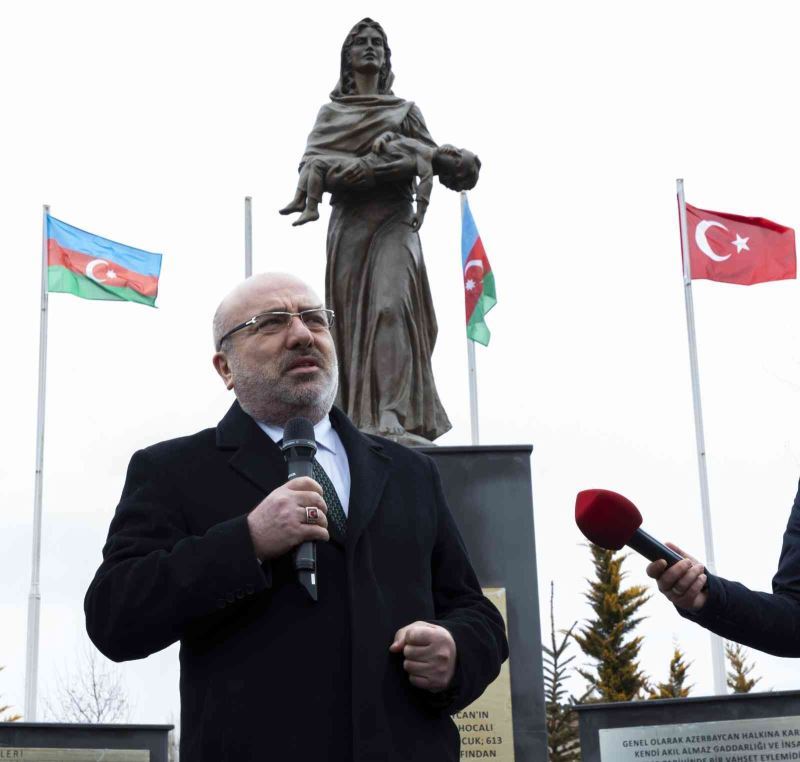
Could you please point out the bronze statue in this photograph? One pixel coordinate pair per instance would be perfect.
(367, 148)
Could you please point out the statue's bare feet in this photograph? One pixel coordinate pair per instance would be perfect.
(297, 204)
(309, 215)
(389, 426)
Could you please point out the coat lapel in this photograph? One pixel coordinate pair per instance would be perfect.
(256, 457)
(259, 460)
(369, 471)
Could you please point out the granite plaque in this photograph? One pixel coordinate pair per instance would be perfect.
(485, 725)
(744, 740)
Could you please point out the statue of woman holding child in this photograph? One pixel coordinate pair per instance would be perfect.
(371, 149)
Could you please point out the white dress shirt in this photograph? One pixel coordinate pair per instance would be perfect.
(331, 455)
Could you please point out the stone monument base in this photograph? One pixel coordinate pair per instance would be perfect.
(68, 742)
(488, 489)
(756, 727)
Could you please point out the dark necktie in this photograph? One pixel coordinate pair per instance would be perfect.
(336, 515)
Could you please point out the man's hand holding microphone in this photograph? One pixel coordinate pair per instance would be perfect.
(280, 521)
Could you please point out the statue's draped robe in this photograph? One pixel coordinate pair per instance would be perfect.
(385, 327)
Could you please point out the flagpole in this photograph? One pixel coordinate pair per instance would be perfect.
(471, 364)
(717, 647)
(473, 391)
(34, 597)
(248, 236)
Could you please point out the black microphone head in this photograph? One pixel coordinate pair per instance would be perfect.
(299, 433)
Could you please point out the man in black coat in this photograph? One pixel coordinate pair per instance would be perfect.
(199, 550)
(769, 622)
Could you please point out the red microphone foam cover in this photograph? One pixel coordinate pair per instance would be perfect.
(606, 518)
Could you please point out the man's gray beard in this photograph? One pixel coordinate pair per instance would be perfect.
(277, 400)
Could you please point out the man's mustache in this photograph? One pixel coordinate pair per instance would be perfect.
(304, 354)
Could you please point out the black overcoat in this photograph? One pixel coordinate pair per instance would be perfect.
(266, 673)
(767, 621)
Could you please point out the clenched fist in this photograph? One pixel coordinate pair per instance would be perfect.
(429, 653)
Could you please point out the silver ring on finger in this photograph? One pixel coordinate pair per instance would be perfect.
(311, 515)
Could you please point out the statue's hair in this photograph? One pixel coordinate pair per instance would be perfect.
(347, 80)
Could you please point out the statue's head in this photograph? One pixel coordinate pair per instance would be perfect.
(364, 34)
(458, 168)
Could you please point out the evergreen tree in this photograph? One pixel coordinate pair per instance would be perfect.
(618, 677)
(738, 680)
(562, 723)
(675, 687)
(5, 715)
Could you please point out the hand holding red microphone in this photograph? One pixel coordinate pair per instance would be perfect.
(683, 583)
(611, 521)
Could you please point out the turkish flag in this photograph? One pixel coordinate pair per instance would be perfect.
(735, 249)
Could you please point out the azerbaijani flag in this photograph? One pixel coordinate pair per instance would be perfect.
(92, 267)
(479, 293)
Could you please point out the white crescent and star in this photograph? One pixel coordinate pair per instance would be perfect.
(473, 263)
(95, 263)
(704, 246)
(469, 284)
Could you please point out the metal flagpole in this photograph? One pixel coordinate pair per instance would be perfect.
(471, 364)
(717, 647)
(248, 236)
(34, 597)
(473, 390)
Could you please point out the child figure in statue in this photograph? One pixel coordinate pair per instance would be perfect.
(393, 157)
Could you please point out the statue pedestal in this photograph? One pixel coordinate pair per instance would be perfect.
(743, 726)
(61, 741)
(488, 489)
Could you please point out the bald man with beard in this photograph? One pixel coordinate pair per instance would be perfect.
(200, 551)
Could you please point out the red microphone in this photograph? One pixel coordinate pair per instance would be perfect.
(610, 520)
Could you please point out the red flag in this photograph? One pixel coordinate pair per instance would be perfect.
(735, 249)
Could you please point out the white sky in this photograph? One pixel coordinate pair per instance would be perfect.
(149, 122)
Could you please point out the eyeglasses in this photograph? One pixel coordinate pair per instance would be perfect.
(268, 323)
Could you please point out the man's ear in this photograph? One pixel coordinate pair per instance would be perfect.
(220, 362)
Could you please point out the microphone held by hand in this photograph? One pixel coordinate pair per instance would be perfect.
(299, 447)
(611, 521)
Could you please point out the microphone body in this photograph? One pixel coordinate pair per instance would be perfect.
(610, 520)
(301, 466)
(299, 447)
(652, 549)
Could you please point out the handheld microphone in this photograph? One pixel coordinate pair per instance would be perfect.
(299, 447)
(610, 520)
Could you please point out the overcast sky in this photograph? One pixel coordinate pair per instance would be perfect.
(149, 122)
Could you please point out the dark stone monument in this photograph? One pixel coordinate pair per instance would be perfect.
(489, 491)
(707, 727)
(46, 741)
(367, 148)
